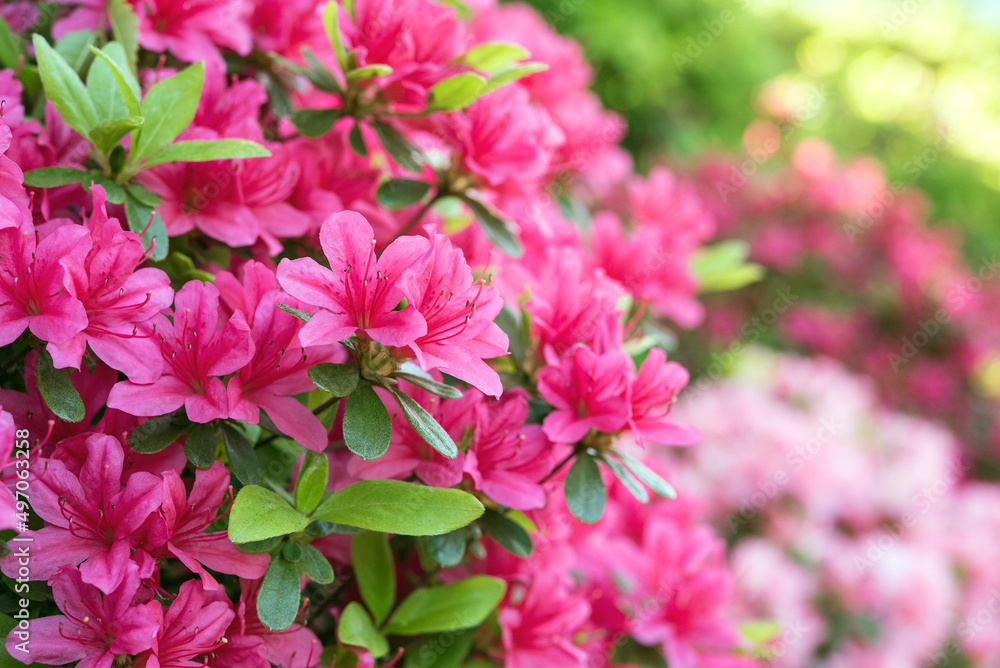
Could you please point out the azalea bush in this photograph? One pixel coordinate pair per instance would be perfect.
(334, 334)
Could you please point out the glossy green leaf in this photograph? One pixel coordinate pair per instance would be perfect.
(401, 193)
(446, 549)
(298, 313)
(456, 92)
(103, 87)
(399, 147)
(425, 425)
(168, 108)
(375, 572)
(292, 551)
(626, 477)
(430, 385)
(243, 459)
(311, 482)
(52, 177)
(585, 492)
(157, 433)
(368, 72)
(315, 122)
(74, 47)
(513, 74)
(57, 390)
(367, 426)
(105, 135)
(259, 513)
(509, 534)
(649, 477)
(337, 379)
(492, 56)
(200, 445)
(315, 565)
(357, 141)
(204, 150)
(278, 598)
(128, 87)
(393, 506)
(442, 650)
(356, 628)
(459, 605)
(64, 88)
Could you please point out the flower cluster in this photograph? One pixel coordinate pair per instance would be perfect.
(281, 279)
(864, 511)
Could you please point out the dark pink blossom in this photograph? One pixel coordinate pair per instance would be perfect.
(195, 29)
(194, 624)
(651, 394)
(195, 351)
(359, 292)
(8, 505)
(94, 629)
(90, 518)
(118, 297)
(460, 313)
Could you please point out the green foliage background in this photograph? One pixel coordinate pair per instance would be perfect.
(915, 83)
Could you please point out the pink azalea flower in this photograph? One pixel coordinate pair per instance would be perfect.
(651, 393)
(195, 29)
(193, 625)
(278, 369)
(94, 629)
(118, 298)
(185, 516)
(32, 294)
(508, 458)
(359, 291)
(20, 15)
(91, 517)
(8, 505)
(460, 314)
(195, 351)
(588, 391)
(408, 452)
(89, 15)
(11, 178)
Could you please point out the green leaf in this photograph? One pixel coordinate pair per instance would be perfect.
(337, 379)
(315, 565)
(357, 141)
(393, 506)
(260, 546)
(128, 87)
(430, 385)
(200, 445)
(425, 425)
(513, 74)
(278, 598)
(74, 48)
(156, 434)
(723, 266)
(628, 651)
(103, 87)
(459, 605)
(57, 390)
(11, 46)
(625, 476)
(401, 193)
(493, 56)
(259, 513)
(203, 150)
(52, 177)
(585, 492)
(331, 23)
(292, 551)
(368, 72)
(443, 650)
(367, 426)
(375, 571)
(497, 230)
(114, 192)
(399, 147)
(509, 534)
(64, 88)
(143, 194)
(356, 628)
(138, 215)
(168, 107)
(760, 631)
(298, 313)
(319, 74)
(446, 549)
(243, 459)
(315, 122)
(125, 28)
(108, 133)
(649, 477)
(311, 483)
(456, 92)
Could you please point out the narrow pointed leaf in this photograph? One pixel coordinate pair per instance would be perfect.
(425, 425)
(57, 390)
(52, 177)
(168, 108)
(64, 88)
(375, 572)
(311, 483)
(585, 491)
(430, 385)
(497, 230)
(399, 147)
(649, 477)
(128, 87)
(204, 150)
(109, 133)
